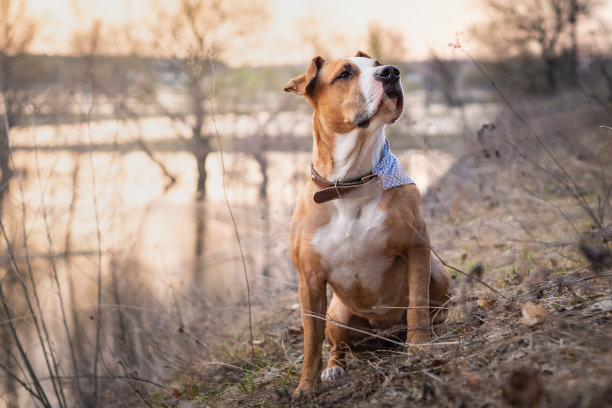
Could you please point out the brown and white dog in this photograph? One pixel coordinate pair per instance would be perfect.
(370, 245)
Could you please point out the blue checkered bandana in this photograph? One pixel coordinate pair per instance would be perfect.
(390, 170)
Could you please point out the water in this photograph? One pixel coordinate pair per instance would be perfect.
(165, 229)
(168, 264)
(138, 217)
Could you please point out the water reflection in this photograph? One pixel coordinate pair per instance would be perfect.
(170, 265)
(179, 241)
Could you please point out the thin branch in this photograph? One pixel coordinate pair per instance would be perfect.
(23, 384)
(45, 217)
(572, 184)
(39, 390)
(45, 343)
(229, 208)
(99, 249)
(468, 275)
(398, 343)
(555, 207)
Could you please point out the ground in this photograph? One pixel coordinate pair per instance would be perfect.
(528, 223)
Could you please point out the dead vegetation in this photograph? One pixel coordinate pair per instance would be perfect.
(508, 214)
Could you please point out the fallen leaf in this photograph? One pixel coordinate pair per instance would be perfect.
(295, 331)
(532, 313)
(485, 300)
(471, 378)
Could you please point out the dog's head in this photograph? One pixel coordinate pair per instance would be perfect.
(356, 92)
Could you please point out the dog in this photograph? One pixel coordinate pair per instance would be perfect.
(357, 225)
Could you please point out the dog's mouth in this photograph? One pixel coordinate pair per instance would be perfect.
(393, 100)
(390, 107)
(398, 98)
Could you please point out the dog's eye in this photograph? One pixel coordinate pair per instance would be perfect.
(344, 75)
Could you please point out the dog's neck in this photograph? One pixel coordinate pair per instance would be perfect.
(338, 157)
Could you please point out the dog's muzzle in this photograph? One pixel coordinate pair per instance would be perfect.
(389, 76)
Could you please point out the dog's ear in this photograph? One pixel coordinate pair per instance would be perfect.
(362, 54)
(305, 82)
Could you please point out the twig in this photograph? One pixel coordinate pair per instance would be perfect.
(40, 393)
(426, 241)
(572, 184)
(469, 275)
(127, 114)
(590, 278)
(229, 207)
(555, 207)
(120, 377)
(57, 388)
(99, 247)
(399, 343)
(605, 127)
(23, 384)
(435, 377)
(45, 217)
(286, 354)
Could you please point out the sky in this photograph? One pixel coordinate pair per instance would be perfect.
(340, 24)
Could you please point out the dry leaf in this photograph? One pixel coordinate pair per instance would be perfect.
(532, 313)
(482, 302)
(485, 299)
(471, 378)
(295, 331)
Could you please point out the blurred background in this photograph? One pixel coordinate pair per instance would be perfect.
(119, 262)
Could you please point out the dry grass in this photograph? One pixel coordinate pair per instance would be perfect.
(507, 211)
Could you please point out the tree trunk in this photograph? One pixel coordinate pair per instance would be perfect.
(8, 361)
(575, 10)
(607, 78)
(200, 156)
(573, 57)
(5, 169)
(550, 73)
(200, 143)
(200, 243)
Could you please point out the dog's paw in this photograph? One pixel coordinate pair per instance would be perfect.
(417, 349)
(418, 337)
(302, 393)
(419, 341)
(331, 373)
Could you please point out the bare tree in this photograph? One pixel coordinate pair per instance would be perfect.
(547, 28)
(386, 43)
(322, 39)
(193, 35)
(16, 34)
(578, 9)
(442, 74)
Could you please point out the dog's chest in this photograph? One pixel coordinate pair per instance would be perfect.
(352, 244)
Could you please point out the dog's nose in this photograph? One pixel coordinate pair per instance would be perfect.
(387, 74)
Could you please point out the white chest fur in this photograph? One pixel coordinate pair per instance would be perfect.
(352, 244)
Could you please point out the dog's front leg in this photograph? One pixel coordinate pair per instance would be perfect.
(419, 274)
(313, 301)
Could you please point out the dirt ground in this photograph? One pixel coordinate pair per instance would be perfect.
(536, 231)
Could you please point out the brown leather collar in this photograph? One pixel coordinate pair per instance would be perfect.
(334, 190)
